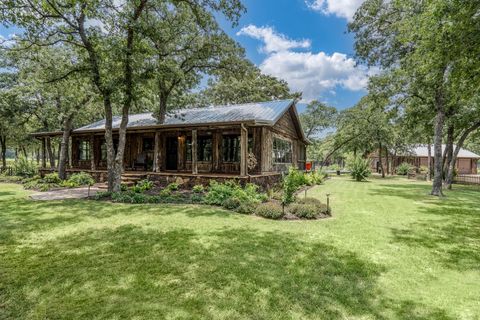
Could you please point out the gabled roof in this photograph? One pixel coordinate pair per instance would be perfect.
(422, 151)
(262, 113)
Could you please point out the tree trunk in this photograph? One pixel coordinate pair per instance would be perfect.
(380, 159)
(24, 151)
(460, 142)
(429, 148)
(162, 106)
(3, 144)
(51, 156)
(437, 148)
(387, 159)
(62, 161)
(448, 154)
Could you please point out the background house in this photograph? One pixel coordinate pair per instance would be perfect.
(417, 156)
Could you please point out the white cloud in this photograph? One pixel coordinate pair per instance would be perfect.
(308, 72)
(274, 42)
(340, 8)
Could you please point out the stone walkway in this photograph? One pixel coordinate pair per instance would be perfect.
(63, 194)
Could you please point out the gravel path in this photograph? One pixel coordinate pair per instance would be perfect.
(75, 193)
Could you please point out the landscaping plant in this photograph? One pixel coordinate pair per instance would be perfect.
(359, 168)
(403, 169)
(269, 210)
(24, 168)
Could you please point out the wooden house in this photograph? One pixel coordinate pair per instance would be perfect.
(417, 156)
(253, 141)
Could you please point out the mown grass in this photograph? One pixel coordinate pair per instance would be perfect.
(390, 252)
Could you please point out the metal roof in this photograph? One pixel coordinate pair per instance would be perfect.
(266, 113)
(422, 151)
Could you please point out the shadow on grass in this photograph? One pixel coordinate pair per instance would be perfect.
(132, 272)
(453, 231)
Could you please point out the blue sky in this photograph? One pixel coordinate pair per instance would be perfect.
(315, 55)
(304, 42)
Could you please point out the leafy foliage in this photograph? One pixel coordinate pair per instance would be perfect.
(24, 168)
(359, 168)
(199, 188)
(232, 196)
(404, 168)
(142, 186)
(80, 179)
(291, 182)
(308, 208)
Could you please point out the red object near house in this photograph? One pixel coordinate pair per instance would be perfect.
(308, 165)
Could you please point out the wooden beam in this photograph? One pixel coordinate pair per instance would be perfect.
(157, 153)
(44, 152)
(93, 165)
(216, 140)
(243, 151)
(194, 152)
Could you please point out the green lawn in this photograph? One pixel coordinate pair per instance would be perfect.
(390, 252)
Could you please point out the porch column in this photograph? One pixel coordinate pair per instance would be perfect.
(70, 152)
(44, 152)
(194, 152)
(93, 165)
(157, 153)
(243, 150)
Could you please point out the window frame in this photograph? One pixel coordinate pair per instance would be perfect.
(84, 148)
(204, 144)
(284, 146)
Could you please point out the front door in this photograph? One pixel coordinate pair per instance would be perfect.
(172, 153)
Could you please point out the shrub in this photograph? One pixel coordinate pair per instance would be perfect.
(308, 208)
(360, 168)
(232, 196)
(270, 210)
(165, 193)
(198, 188)
(314, 178)
(24, 168)
(306, 211)
(403, 169)
(291, 182)
(80, 179)
(142, 186)
(102, 195)
(196, 198)
(173, 186)
(423, 169)
(52, 178)
(231, 203)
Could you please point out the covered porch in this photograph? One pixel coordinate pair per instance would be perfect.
(231, 151)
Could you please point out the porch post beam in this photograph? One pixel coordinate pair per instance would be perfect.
(156, 153)
(44, 152)
(243, 150)
(194, 152)
(92, 153)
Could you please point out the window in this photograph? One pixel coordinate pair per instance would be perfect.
(84, 150)
(103, 151)
(282, 151)
(231, 148)
(204, 148)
